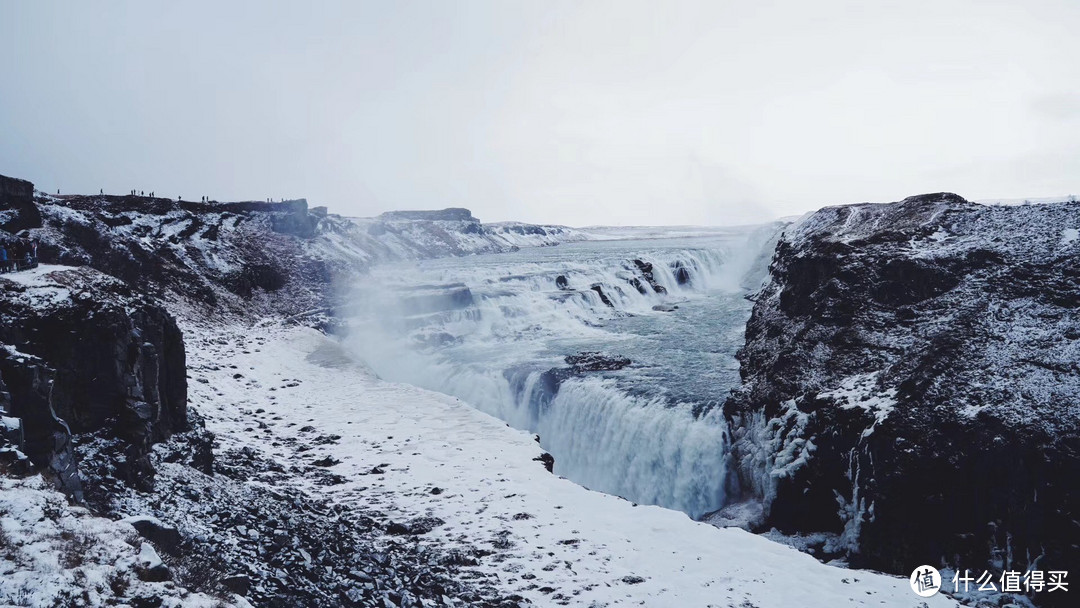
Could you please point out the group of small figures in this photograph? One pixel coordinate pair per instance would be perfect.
(20, 254)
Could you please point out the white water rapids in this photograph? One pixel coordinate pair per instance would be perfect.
(486, 328)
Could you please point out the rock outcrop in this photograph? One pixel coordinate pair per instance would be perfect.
(911, 385)
(17, 209)
(84, 353)
(238, 258)
(580, 364)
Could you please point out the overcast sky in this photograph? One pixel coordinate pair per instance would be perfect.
(569, 112)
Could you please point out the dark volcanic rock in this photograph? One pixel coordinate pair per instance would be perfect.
(165, 537)
(547, 460)
(237, 583)
(596, 362)
(547, 386)
(646, 269)
(681, 272)
(43, 437)
(17, 209)
(282, 546)
(221, 256)
(86, 353)
(599, 289)
(911, 384)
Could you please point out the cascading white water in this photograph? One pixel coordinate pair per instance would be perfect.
(487, 328)
(637, 447)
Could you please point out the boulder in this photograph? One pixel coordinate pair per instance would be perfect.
(149, 567)
(646, 269)
(547, 460)
(592, 361)
(237, 583)
(164, 536)
(681, 272)
(599, 289)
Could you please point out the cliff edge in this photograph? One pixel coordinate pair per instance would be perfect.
(911, 385)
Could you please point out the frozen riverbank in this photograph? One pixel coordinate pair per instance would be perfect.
(416, 454)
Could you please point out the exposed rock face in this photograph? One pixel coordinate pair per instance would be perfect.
(911, 384)
(17, 209)
(599, 289)
(228, 257)
(252, 258)
(681, 272)
(646, 269)
(44, 439)
(596, 362)
(87, 353)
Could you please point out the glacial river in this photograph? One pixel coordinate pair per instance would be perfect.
(486, 328)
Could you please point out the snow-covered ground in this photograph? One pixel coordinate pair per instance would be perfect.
(412, 453)
(1027, 201)
(52, 554)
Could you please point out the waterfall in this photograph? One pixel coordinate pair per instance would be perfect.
(493, 330)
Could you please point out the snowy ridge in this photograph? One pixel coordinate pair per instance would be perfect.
(256, 257)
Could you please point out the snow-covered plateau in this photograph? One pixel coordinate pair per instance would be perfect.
(265, 404)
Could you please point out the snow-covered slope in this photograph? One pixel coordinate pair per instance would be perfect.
(255, 258)
(52, 554)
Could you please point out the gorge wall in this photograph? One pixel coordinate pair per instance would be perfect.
(911, 382)
(90, 342)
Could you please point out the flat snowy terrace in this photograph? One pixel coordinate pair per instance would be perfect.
(411, 453)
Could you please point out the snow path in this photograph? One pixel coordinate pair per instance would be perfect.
(412, 453)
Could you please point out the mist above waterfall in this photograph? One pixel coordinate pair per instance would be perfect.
(495, 331)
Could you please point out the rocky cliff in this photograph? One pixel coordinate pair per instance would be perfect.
(82, 352)
(226, 258)
(911, 385)
(251, 258)
(17, 209)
